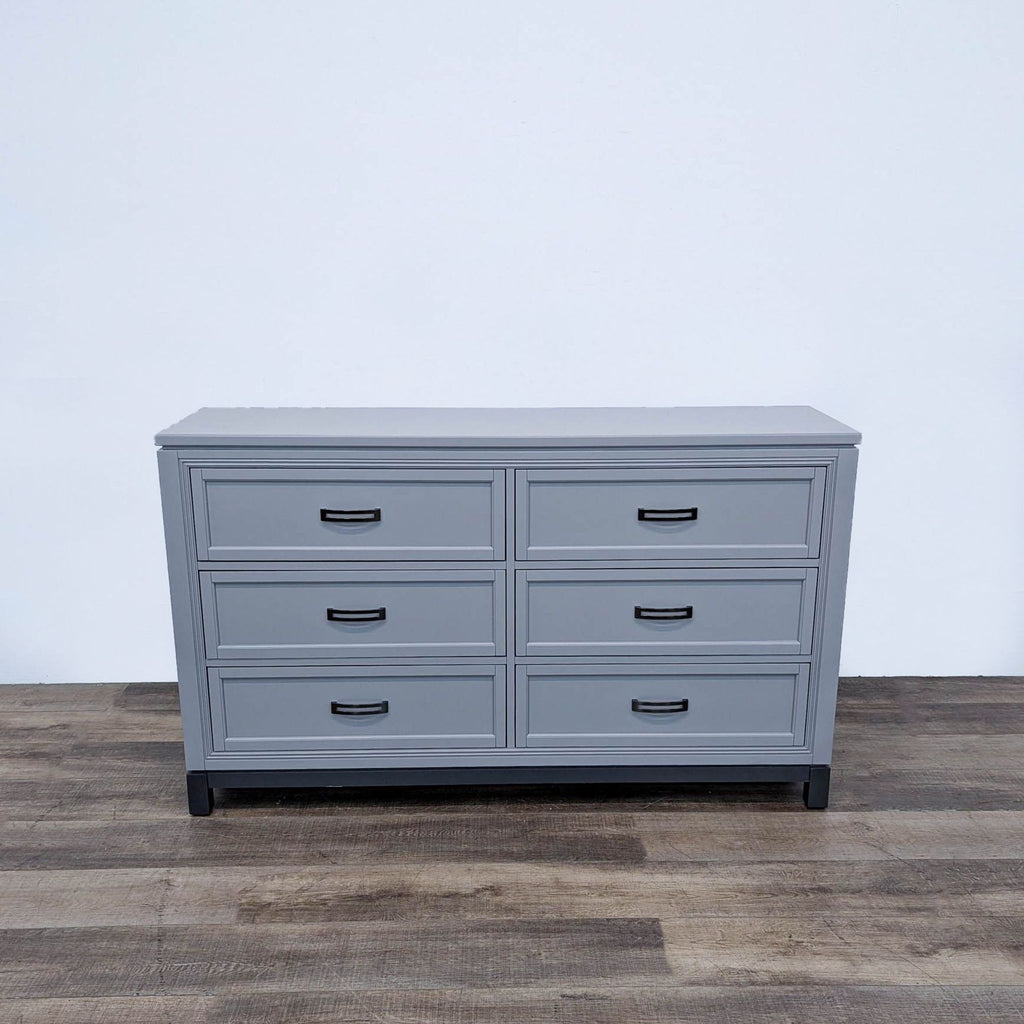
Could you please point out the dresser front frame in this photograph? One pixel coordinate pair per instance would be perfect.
(510, 763)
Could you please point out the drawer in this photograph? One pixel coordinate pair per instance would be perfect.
(669, 513)
(373, 708)
(358, 614)
(630, 706)
(339, 514)
(664, 611)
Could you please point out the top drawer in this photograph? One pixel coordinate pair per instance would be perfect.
(341, 514)
(669, 513)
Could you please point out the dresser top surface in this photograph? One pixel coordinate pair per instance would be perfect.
(680, 426)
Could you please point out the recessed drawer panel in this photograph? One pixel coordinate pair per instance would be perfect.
(664, 611)
(669, 513)
(661, 706)
(339, 514)
(285, 614)
(373, 708)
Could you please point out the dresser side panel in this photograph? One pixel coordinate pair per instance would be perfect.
(177, 514)
(831, 604)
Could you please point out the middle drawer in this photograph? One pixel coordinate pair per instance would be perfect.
(607, 612)
(354, 614)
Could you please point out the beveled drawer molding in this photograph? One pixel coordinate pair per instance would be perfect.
(596, 612)
(669, 513)
(661, 705)
(285, 614)
(371, 708)
(310, 514)
(433, 596)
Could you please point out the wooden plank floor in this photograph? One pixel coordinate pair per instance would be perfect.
(611, 905)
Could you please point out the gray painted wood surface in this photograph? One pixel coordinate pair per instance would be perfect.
(282, 709)
(506, 538)
(401, 427)
(593, 706)
(592, 612)
(284, 615)
(275, 514)
(737, 513)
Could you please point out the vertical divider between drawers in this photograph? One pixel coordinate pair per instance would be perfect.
(510, 606)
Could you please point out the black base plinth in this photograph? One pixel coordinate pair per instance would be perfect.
(201, 784)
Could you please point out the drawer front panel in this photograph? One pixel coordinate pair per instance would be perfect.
(661, 706)
(602, 612)
(342, 514)
(373, 708)
(669, 513)
(285, 614)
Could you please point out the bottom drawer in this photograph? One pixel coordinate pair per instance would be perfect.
(357, 708)
(661, 705)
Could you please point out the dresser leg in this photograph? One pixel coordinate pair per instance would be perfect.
(816, 787)
(200, 796)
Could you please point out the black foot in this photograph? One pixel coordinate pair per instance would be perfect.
(816, 787)
(200, 796)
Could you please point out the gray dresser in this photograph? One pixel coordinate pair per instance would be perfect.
(429, 596)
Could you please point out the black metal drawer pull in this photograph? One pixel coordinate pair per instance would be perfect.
(660, 707)
(352, 515)
(663, 614)
(356, 614)
(377, 707)
(666, 515)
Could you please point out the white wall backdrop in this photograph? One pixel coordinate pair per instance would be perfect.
(569, 203)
